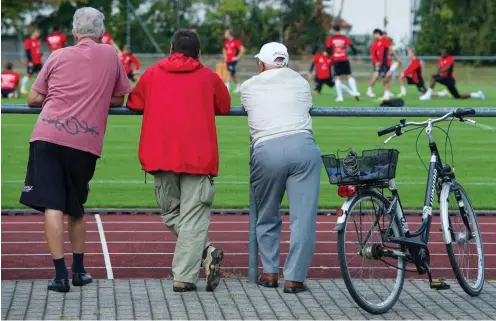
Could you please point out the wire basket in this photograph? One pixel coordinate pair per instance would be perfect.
(374, 166)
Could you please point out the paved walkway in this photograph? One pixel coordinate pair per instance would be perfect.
(234, 299)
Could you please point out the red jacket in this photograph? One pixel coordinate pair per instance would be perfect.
(179, 99)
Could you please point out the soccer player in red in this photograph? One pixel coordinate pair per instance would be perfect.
(338, 45)
(128, 60)
(383, 65)
(322, 62)
(56, 39)
(412, 74)
(233, 50)
(108, 40)
(446, 76)
(375, 73)
(10, 82)
(32, 47)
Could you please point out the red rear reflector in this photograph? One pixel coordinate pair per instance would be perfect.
(346, 191)
(339, 212)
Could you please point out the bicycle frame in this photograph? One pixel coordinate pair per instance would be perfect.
(434, 177)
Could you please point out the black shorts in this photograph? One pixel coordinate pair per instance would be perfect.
(6, 92)
(342, 68)
(57, 178)
(420, 85)
(319, 83)
(383, 70)
(450, 84)
(231, 67)
(130, 76)
(34, 69)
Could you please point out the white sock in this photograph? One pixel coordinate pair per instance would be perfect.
(339, 91)
(237, 86)
(442, 94)
(429, 92)
(352, 83)
(387, 95)
(370, 90)
(228, 84)
(403, 90)
(346, 89)
(24, 83)
(475, 95)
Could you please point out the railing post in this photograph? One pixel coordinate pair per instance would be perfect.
(253, 244)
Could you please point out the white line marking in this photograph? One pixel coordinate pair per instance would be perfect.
(230, 268)
(171, 253)
(330, 242)
(238, 182)
(212, 222)
(166, 231)
(106, 256)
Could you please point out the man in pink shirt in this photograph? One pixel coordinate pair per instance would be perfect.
(75, 89)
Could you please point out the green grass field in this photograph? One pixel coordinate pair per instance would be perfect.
(119, 181)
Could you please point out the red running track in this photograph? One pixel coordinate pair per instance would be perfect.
(139, 246)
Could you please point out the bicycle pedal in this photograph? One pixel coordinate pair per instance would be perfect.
(440, 285)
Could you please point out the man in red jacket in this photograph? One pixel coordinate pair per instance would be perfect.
(179, 98)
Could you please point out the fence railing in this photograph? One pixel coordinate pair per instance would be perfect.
(319, 111)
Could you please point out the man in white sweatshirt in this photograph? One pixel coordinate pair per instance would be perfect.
(284, 157)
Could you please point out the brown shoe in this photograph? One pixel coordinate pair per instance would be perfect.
(183, 287)
(294, 287)
(268, 280)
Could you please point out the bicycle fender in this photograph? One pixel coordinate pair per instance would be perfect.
(345, 208)
(444, 212)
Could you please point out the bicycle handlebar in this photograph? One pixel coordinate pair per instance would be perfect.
(387, 130)
(459, 113)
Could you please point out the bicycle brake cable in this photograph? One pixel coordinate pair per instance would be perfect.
(448, 139)
(417, 149)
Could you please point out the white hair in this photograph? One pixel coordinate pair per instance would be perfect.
(88, 23)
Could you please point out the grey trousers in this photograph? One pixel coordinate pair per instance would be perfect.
(185, 201)
(289, 163)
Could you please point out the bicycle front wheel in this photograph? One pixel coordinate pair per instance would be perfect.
(465, 250)
(373, 280)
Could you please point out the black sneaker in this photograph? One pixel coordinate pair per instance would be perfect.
(183, 287)
(211, 264)
(59, 285)
(80, 279)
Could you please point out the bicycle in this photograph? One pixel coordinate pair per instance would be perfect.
(362, 180)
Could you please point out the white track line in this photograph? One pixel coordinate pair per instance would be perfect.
(333, 242)
(171, 253)
(238, 182)
(106, 256)
(166, 231)
(229, 268)
(211, 223)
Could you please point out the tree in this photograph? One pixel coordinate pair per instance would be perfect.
(464, 27)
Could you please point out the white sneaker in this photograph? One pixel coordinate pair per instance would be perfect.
(370, 94)
(481, 95)
(339, 99)
(425, 97)
(356, 94)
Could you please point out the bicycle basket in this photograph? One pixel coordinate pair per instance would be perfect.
(373, 166)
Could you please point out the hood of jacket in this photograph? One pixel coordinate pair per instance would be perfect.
(177, 62)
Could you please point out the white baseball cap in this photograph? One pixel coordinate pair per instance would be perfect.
(271, 51)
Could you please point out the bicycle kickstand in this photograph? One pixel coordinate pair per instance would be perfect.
(437, 285)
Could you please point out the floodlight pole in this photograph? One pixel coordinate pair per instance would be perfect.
(128, 23)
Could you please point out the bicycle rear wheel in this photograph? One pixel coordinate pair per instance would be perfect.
(465, 251)
(374, 281)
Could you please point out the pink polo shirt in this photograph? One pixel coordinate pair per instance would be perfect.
(79, 82)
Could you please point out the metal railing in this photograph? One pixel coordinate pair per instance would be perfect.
(319, 111)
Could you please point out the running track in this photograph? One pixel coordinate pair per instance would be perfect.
(139, 246)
